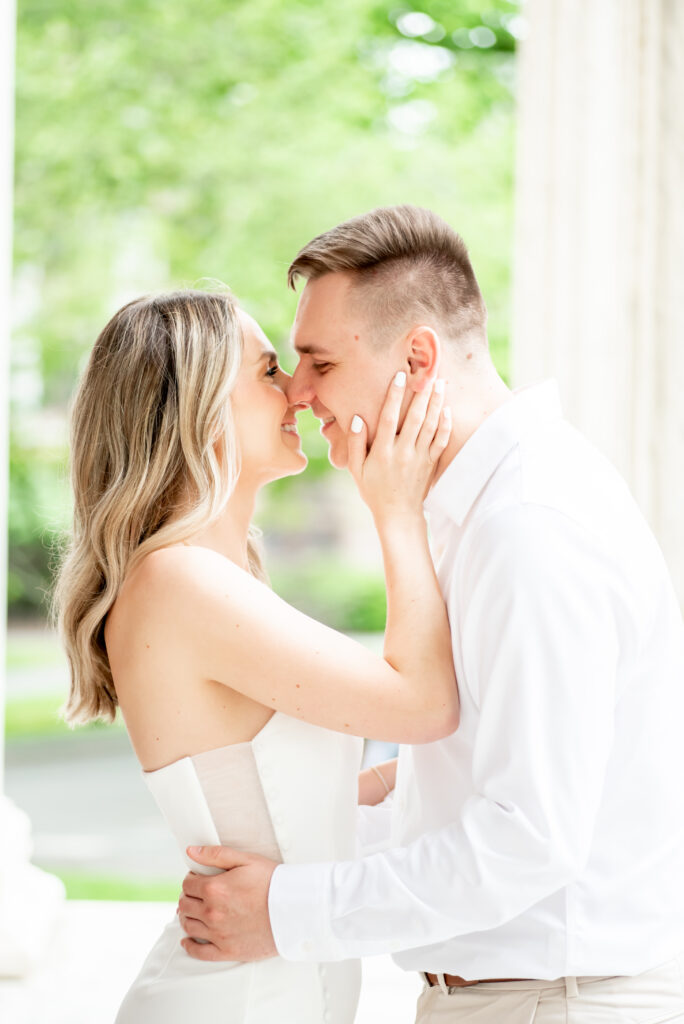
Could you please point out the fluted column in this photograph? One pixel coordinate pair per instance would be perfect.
(599, 255)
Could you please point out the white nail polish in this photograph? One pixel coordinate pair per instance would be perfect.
(439, 386)
(356, 425)
(400, 379)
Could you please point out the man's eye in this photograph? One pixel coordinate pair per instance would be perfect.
(321, 367)
(272, 370)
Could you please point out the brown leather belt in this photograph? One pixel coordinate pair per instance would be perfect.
(454, 981)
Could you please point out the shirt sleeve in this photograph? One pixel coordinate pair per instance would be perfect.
(373, 825)
(534, 609)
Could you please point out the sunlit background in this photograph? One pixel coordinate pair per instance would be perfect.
(162, 143)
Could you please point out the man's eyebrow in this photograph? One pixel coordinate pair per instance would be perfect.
(310, 350)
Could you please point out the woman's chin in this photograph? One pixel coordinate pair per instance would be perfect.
(303, 463)
(293, 463)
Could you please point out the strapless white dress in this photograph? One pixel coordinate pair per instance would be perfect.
(290, 794)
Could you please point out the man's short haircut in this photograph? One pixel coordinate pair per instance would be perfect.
(408, 268)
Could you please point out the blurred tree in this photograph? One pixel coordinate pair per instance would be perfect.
(159, 143)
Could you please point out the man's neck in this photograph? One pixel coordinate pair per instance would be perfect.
(473, 397)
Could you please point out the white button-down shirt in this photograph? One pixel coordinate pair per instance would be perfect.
(545, 837)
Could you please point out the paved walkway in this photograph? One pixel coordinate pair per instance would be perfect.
(98, 951)
(89, 807)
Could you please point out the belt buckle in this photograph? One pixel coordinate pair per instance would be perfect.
(439, 980)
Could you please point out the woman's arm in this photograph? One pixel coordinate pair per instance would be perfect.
(372, 789)
(240, 633)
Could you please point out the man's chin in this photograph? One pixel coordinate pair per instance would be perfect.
(338, 453)
(338, 459)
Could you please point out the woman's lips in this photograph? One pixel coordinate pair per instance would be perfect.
(290, 428)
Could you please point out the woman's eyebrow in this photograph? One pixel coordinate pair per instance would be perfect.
(270, 354)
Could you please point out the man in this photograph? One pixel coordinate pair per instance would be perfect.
(533, 861)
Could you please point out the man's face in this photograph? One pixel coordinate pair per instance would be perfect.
(340, 371)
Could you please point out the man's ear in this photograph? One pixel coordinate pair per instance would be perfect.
(424, 357)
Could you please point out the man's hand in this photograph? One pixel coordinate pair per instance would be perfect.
(229, 911)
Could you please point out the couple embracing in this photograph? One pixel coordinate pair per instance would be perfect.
(525, 854)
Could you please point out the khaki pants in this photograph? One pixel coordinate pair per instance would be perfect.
(654, 997)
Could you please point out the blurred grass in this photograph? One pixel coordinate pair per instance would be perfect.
(29, 648)
(37, 717)
(104, 887)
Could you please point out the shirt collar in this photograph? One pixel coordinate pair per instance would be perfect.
(462, 481)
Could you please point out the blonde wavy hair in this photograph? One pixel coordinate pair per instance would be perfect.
(153, 460)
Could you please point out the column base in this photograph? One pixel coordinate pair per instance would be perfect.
(31, 901)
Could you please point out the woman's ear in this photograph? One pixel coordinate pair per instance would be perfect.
(424, 356)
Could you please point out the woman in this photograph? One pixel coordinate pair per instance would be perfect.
(242, 711)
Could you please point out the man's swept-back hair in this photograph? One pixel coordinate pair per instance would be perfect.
(408, 267)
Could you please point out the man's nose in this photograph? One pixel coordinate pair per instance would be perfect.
(299, 389)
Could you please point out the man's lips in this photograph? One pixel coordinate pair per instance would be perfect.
(327, 421)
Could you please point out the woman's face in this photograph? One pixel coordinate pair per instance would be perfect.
(267, 437)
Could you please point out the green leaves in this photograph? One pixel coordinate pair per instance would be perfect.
(158, 143)
(223, 136)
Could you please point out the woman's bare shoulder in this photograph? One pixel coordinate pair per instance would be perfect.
(173, 583)
(188, 567)
(168, 596)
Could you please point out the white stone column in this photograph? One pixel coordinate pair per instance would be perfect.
(599, 252)
(30, 899)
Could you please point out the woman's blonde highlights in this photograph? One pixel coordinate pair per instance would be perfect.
(153, 460)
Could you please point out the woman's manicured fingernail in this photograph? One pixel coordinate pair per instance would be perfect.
(400, 379)
(356, 425)
(447, 412)
(439, 386)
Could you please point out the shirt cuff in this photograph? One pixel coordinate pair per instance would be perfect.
(299, 908)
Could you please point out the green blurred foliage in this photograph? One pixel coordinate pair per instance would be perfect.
(159, 143)
(38, 717)
(84, 886)
(336, 593)
(38, 518)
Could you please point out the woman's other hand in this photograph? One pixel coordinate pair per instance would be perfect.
(377, 782)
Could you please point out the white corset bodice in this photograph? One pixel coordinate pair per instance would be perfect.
(289, 794)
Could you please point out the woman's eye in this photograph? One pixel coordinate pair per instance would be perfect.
(272, 370)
